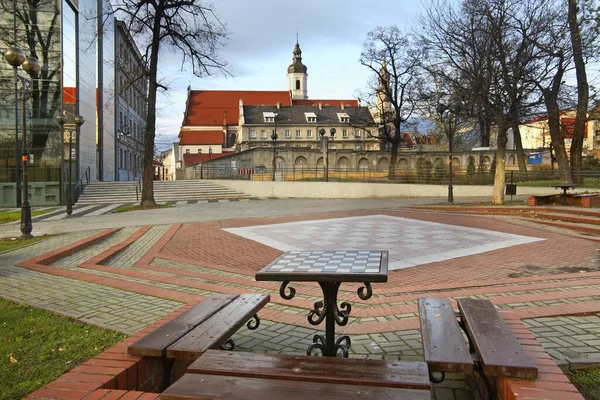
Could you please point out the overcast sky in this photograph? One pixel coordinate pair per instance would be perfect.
(262, 35)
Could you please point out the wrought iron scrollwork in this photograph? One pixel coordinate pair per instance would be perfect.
(254, 322)
(361, 291)
(343, 343)
(318, 311)
(341, 314)
(229, 345)
(318, 344)
(282, 291)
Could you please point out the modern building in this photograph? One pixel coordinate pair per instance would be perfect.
(131, 104)
(77, 78)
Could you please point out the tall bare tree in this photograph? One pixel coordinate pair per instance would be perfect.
(583, 91)
(482, 50)
(188, 28)
(393, 91)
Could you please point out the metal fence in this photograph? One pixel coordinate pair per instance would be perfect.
(434, 176)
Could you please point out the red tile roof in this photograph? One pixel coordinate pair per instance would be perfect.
(191, 159)
(206, 107)
(200, 137)
(332, 103)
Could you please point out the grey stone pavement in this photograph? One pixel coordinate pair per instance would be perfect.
(571, 341)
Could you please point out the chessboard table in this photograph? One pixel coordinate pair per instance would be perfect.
(329, 268)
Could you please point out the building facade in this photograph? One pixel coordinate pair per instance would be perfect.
(218, 123)
(301, 126)
(77, 78)
(131, 105)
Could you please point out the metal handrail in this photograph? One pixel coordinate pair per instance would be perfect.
(79, 187)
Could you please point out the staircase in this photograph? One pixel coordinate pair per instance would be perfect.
(164, 191)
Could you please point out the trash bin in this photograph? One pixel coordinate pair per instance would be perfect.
(511, 189)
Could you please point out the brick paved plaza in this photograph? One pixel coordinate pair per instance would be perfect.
(125, 279)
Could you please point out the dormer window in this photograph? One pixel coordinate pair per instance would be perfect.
(269, 116)
(310, 117)
(344, 118)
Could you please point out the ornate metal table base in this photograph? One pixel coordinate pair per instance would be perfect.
(329, 311)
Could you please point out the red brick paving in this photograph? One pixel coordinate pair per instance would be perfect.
(549, 264)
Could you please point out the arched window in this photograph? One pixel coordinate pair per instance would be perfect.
(297, 84)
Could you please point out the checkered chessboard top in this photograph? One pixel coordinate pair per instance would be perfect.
(336, 265)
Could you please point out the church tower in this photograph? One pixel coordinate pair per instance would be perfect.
(297, 76)
(383, 105)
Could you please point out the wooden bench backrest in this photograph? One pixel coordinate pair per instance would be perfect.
(198, 386)
(500, 352)
(444, 345)
(352, 371)
(156, 343)
(219, 327)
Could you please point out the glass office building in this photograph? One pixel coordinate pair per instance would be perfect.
(73, 56)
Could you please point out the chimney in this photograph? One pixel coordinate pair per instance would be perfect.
(320, 106)
(278, 105)
(342, 105)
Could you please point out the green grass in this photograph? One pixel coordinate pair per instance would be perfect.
(587, 381)
(36, 347)
(9, 244)
(10, 216)
(137, 207)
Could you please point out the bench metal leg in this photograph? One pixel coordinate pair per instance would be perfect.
(229, 345)
(253, 323)
(167, 368)
(486, 381)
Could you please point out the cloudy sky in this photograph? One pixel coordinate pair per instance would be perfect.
(262, 35)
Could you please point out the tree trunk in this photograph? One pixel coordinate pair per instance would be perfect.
(148, 177)
(582, 94)
(393, 160)
(556, 135)
(519, 147)
(499, 179)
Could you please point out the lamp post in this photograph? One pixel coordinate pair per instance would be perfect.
(79, 120)
(325, 143)
(274, 137)
(449, 114)
(16, 57)
(209, 153)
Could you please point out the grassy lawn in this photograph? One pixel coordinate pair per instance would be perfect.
(136, 207)
(36, 347)
(10, 216)
(9, 244)
(587, 381)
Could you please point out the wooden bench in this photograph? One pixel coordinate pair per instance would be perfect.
(492, 349)
(236, 375)
(210, 387)
(542, 200)
(208, 325)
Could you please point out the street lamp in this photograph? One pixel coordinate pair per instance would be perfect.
(79, 120)
(325, 143)
(209, 153)
(274, 137)
(16, 57)
(448, 117)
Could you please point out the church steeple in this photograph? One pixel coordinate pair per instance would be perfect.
(297, 76)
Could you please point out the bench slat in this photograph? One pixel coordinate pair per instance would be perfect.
(209, 387)
(353, 371)
(445, 348)
(218, 328)
(155, 344)
(500, 352)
